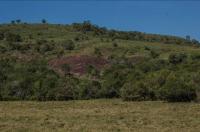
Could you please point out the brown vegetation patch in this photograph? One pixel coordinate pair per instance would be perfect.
(78, 64)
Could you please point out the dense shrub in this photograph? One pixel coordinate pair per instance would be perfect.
(45, 87)
(114, 44)
(90, 90)
(154, 54)
(42, 46)
(195, 56)
(46, 48)
(35, 81)
(41, 41)
(68, 90)
(113, 80)
(134, 74)
(13, 45)
(97, 52)
(129, 92)
(68, 45)
(27, 81)
(152, 65)
(92, 71)
(162, 86)
(176, 58)
(146, 48)
(11, 37)
(3, 48)
(177, 89)
(81, 37)
(1, 36)
(66, 69)
(136, 92)
(24, 47)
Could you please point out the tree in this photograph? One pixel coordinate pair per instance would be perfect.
(12, 22)
(18, 21)
(188, 38)
(87, 26)
(44, 21)
(194, 41)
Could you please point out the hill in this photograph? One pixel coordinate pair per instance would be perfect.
(84, 61)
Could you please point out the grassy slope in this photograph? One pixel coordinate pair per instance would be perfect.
(99, 115)
(59, 33)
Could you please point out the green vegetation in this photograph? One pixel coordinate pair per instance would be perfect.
(83, 61)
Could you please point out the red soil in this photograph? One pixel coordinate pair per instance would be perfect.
(78, 64)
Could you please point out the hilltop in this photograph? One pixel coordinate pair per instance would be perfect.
(85, 61)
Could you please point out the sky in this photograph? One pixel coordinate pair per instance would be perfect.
(178, 17)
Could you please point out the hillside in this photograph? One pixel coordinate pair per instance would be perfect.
(84, 61)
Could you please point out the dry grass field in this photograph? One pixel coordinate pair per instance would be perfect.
(99, 116)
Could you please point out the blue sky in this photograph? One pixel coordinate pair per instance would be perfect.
(179, 18)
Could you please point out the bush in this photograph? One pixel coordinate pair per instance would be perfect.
(27, 81)
(68, 45)
(114, 44)
(1, 36)
(45, 87)
(91, 70)
(81, 37)
(41, 41)
(3, 49)
(11, 37)
(177, 89)
(68, 90)
(97, 52)
(24, 47)
(154, 54)
(195, 56)
(66, 69)
(19, 89)
(90, 90)
(152, 65)
(43, 46)
(113, 80)
(146, 48)
(176, 58)
(13, 45)
(136, 92)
